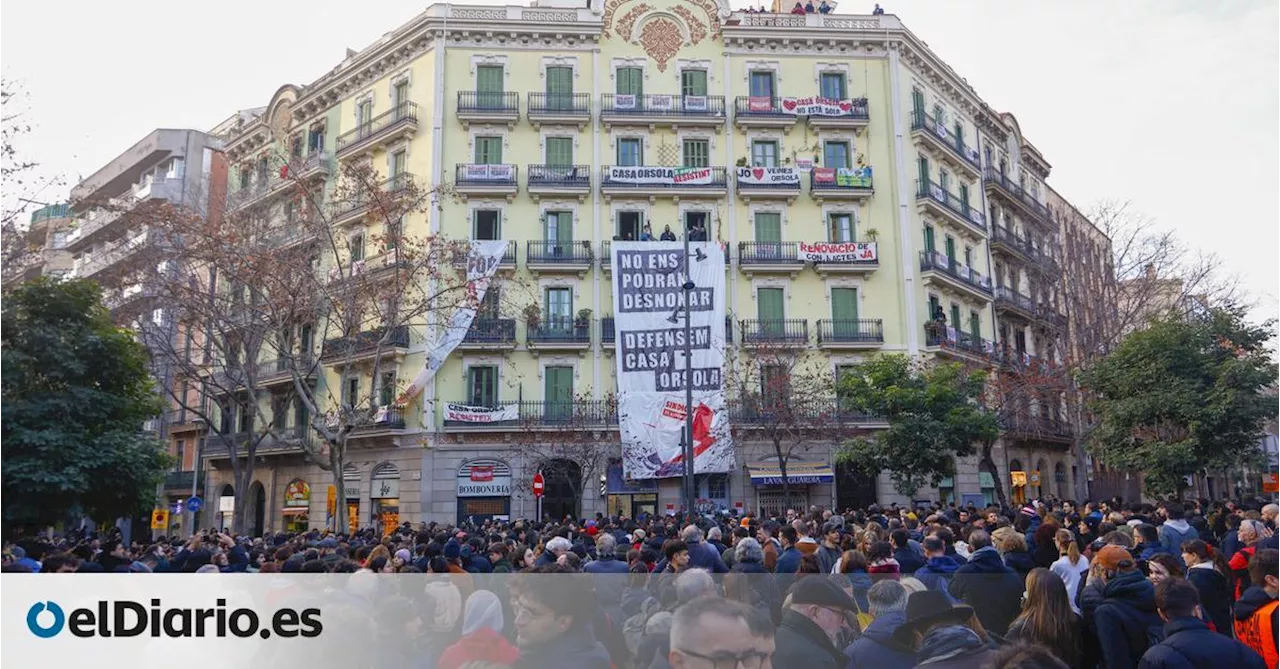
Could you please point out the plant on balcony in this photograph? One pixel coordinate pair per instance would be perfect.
(741, 162)
(582, 323)
(872, 234)
(532, 316)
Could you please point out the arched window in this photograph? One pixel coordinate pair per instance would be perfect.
(385, 471)
(350, 472)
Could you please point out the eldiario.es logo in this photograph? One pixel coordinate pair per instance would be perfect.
(131, 619)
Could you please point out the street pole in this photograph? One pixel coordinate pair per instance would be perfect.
(687, 439)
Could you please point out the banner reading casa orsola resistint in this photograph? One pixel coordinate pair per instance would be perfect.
(463, 413)
(482, 263)
(660, 175)
(649, 299)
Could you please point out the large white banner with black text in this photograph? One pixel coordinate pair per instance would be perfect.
(648, 301)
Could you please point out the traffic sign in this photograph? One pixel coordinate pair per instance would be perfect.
(175, 508)
(160, 519)
(195, 504)
(539, 485)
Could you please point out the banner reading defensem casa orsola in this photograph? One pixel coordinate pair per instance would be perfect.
(649, 300)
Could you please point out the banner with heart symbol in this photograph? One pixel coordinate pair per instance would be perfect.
(819, 106)
(769, 176)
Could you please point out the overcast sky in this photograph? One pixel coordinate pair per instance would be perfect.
(1172, 104)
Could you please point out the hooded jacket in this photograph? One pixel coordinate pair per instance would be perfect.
(992, 589)
(1215, 595)
(1252, 620)
(788, 561)
(876, 647)
(909, 561)
(575, 649)
(1173, 533)
(937, 572)
(953, 646)
(1190, 644)
(1020, 561)
(1126, 622)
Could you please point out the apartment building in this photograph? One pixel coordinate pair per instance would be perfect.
(45, 252)
(559, 127)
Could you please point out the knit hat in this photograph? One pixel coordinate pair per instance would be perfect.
(1114, 557)
(404, 555)
(452, 550)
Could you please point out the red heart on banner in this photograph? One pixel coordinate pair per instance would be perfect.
(789, 105)
(759, 173)
(846, 105)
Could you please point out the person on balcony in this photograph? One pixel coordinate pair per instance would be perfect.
(809, 8)
(668, 235)
(877, 11)
(798, 9)
(825, 7)
(646, 235)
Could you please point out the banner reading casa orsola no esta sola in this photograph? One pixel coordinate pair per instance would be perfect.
(648, 299)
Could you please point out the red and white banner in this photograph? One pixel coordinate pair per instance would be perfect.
(819, 106)
(769, 176)
(489, 172)
(463, 413)
(837, 252)
(758, 103)
(661, 175)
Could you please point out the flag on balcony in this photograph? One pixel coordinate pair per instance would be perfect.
(649, 296)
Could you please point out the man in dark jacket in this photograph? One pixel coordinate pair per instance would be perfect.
(986, 584)
(816, 618)
(789, 558)
(702, 554)
(938, 569)
(1125, 621)
(553, 622)
(829, 551)
(1150, 545)
(876, 646)
(1175, 530)
(1188, 642)
(909, 561)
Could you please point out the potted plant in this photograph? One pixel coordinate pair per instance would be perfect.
(582, 322)
(872, 234)
(742, 162)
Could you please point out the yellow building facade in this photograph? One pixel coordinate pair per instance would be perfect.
(561, 128)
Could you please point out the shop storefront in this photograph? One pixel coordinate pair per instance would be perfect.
(1018, 482)
(629, 497)
(771, 496)
(384, 496)
(297, 506)
(484, 491)
(351, 497)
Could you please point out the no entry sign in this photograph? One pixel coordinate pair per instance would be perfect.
(539, 484)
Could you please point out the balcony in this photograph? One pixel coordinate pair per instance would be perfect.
(490, 334)
(1037, 428)
(484, 180)
(952, 150)
(830, 114)
(339, 350)
(764, 410)
(608, 332)
(654, 181)
(560, 108)
(488, 107)
(779, 333)
(858, 334)
(129, 298)
(394, 124)
(507, 262)
(1049, 315)
(827, 183)
(217, 446)
(937, 267)
(111, 255)
(558, 181)
(543, 256)
(655, 110)
(957, 343)
(384, 420)
(1010, 301)
(932, 198)
(1008, 190)
(1010, 243)
(759, 183)
(316, 165)
(280, 370)
(182, 481)
(763, 257)
(761, 112)
(353, 208)
(558, 334)
(535, 416)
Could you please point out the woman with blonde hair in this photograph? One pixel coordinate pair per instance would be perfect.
(379, 551)
(1071, 567)
(1047, 618)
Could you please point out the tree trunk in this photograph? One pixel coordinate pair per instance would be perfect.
(339, 500)
(782, 469)
(988, 464)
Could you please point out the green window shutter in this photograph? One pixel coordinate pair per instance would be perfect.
(951, 249)
(934, 306)
(769, 304)
(835, 154)
(558, 226)
(964, 197)
(768, 226)
(761, 84)
(693, 82)
(959, 136)
(489, 150)
(559, 309)
(917, 103)
(489, 79)
(831, 85)
(844, 305)
(955, 318)
(560, 151)
(482, 387)
(975, 326)
(696, 153)
(928, 239)
(840, 228)
(923, 166)
(559, 81)
(558, 391)
(630, 81)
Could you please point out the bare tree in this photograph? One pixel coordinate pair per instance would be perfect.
(564, 438)
(24, 185)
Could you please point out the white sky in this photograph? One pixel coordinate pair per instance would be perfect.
(1172, 104)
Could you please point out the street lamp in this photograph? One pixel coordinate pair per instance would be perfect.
(686, 439)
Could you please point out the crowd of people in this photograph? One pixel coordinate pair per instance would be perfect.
(807, 7)
(1049, 584)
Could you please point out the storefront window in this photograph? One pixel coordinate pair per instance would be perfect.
(385, 494)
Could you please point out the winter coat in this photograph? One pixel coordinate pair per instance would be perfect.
(1239, 564)
(1146, 551)
(862, 583)
(909, 561)
(1190, 644)
(1253, 605)
(703, 555)
(876, 647)
(502, 566)
(1215, 596)
(1020, 561)
(575, 649)
(1173, 533)
(937, 572)
(827, 558)
(992, 589)
(953, 647)
(788, 561)
(1046, 550)
(606, 564)
(1126, 622)
(483, 645)
(801, 643)
(763, 585)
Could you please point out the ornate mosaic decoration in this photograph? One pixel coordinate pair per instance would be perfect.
(661, 39)
(697, 29)
(628, 21)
